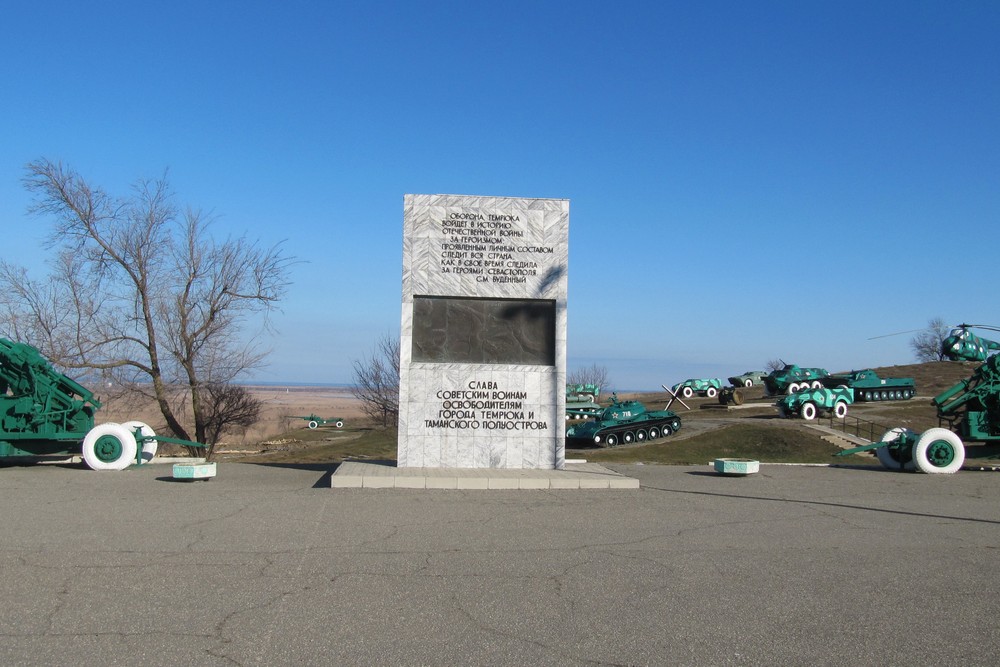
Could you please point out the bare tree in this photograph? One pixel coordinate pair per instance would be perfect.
(593, 374)
(774, 365)
(376, 382)
(144, 296)
(926, 345)
(228, 406)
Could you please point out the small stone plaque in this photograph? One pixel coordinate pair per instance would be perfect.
(194, 470)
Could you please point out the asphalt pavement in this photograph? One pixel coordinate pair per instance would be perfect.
(267, 565)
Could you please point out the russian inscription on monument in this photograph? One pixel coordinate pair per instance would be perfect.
(483, 354)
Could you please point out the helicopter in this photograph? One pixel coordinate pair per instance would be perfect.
(963, 345)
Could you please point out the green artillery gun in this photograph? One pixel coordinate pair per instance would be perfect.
(792, 378)
(624, 422)
(709, 387)
(970, 410)
(748, 379)
(44, 413)
(810, 403)
(868, 386)
(315, 421)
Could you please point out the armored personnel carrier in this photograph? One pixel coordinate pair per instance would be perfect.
(623, 422)
(792, 378)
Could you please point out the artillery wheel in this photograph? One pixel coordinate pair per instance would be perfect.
(641, 435)
(737, 396)
(808, 411)
(149, 446)
(611, 440)
(628, 437)
(895, 458)
(938, 451)
(711, 392)
(840, 409)
(313, 423)
(109, 447)
(687, 392)
(654, 433)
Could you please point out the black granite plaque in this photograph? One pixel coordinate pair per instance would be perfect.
(484, 331)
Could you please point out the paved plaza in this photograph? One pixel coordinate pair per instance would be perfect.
(268, 565)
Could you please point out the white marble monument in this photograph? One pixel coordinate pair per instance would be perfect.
(483, 340)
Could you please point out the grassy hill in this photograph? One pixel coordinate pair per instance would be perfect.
(755, 431)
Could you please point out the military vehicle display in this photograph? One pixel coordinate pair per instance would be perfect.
(44, 413)
(971, 411)
(623, 422)
(963, 345)
(315, 422)
(748, 379)
(811, 403)
(581, 400)
(702, 386)
(868, 386)
(732, 395)
(792, 378)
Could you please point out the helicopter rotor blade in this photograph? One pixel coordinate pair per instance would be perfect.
(978, 326)
(898, 333)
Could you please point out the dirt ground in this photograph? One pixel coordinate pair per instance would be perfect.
(282, 407)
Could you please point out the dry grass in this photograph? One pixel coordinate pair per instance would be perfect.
(757, 432)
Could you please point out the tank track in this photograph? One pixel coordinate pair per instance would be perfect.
(612, 436)
(878, 395)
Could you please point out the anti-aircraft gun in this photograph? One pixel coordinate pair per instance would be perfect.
(44, 413)
(970, 410)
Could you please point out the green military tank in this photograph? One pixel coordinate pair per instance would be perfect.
(623, 422)
(581, 401)
(868, 386)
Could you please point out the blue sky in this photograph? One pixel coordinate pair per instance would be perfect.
(747, 181)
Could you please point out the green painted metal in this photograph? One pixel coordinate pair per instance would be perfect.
(971, 408)
(46, 413)
(702, 386)
(822, 400)
(792, 378)
(581, 400)
(42, 411)
(315, 421)
(868, 386)
(963, 345)
(108, 448)
(969, 412)
(941, 453)
(624, 422)
(748, 379)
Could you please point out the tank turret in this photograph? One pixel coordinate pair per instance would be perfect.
(624, 422)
